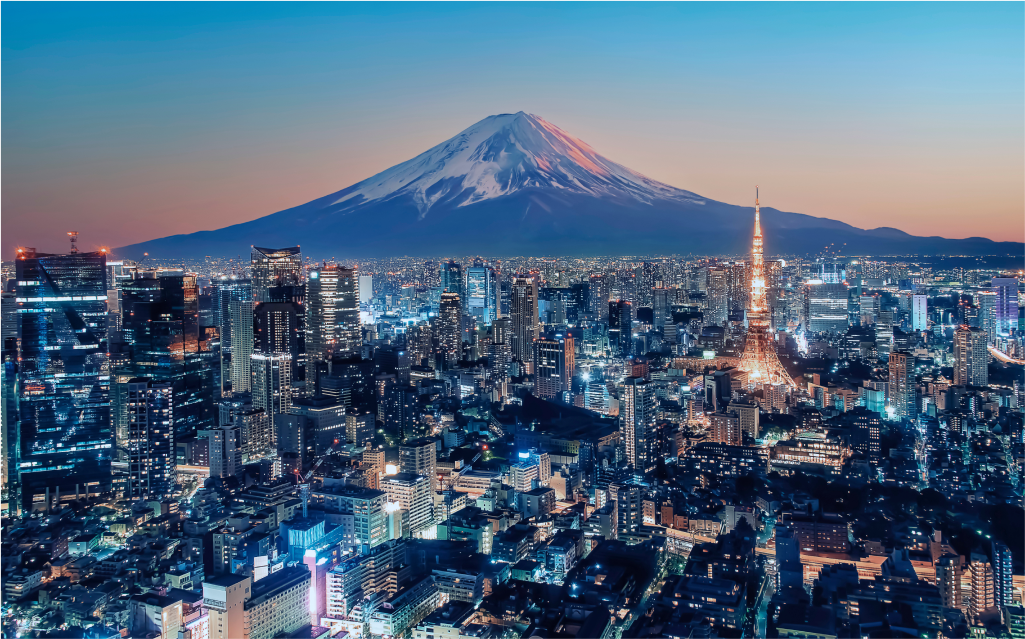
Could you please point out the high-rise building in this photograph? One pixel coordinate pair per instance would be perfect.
(350, 335)
(272, 389)
(480, 294)
(948, 580)
(241, 317)
(225, 597)
(1006, 315)
(452, 278)
(919, 313)
(279, 327)
(152, 471)
(275, 267)
(553, 366)
(760, 360)
(620, 328)
(412, 493)
(661, 307)
(971, 357)
(987, 303)
(718, 300)
(450, 338)
(63, 385)
(982, 595)
(419, 457)
(826, 307)
(322, 314)
(902, 385)
(524, 314)
(225, 444)
(164, 342)
(637, 422)
(225, 291)
(1003, 575)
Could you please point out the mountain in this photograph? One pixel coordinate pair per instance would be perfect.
(515, 184)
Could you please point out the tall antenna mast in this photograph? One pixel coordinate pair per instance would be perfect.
(73, 236)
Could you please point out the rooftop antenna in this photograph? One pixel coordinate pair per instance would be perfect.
(73, 236)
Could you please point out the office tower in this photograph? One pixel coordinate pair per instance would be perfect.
(275, 267)
(272, 390)
(225, 291)
(322, 314)
(419, 457)
(523, 312)
(225, 444)
(826, 307)
(637, 422)
(350, 336)
(553, 366)
(759, 360)
(868, 306)
(599, 295)
(9, 316)
(413, 493)
(919, 313)
(279, 327)
(948, 580)
(1006, 315)
(1003, 575)
(452, 278)
(365, 286)
(241, 317)
(165, 342)
(359, 428)
(480, 294)
(661, 307)
(902, 385)
(450, 338)
(63, 388)
(620, 328)
(971, 357)
(983, 595)
(418, 345)
(10, 435)
(737, 287)
(717, 300)
(152, 471)
(987, 302)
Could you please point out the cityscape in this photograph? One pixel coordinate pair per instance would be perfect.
(509, 388)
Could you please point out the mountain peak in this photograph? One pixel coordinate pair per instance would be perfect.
(503, 154)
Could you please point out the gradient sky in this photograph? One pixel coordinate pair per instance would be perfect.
(130, 121)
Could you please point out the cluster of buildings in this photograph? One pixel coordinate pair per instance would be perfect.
(534, 447)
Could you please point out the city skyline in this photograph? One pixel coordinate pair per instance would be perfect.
(183, 119)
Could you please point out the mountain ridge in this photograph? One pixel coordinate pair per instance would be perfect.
(513, 184)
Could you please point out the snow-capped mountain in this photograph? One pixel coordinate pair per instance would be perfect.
(515, 184)
(503, 154)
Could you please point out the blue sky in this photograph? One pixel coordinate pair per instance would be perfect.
(137, 120)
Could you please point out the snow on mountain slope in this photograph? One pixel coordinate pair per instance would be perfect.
(503, 154)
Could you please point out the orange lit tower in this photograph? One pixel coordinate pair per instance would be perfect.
(760, 361)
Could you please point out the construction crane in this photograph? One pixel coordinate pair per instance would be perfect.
(304, 480)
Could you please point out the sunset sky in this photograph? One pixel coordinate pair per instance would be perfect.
(128, 122)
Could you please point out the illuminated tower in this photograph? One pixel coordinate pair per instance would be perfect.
(760, 361)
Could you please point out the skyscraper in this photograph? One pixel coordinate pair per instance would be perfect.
(480, 294)
(165, 343)
(553, 366)
(450, 339)
(826, 307)
(63, 387)
(524, 317)
(350, 336)
(279, 327)
(241, 317)
(919, 313)
(987, 303)
(1006, 314)
(272, 391)
(717, 300)
(759, 360)
(225, 291)
(971, 357)
(452, 278)
(152, 471)
(620, 328)
(274, 267)
(902, 385)
(322, 314)
(637, 422)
